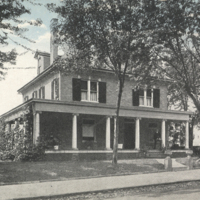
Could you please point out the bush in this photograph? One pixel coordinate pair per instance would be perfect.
(17, 144)
(37, 153)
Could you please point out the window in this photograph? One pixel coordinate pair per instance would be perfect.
(88, 129)
(55, 89)
(42, 93)
(84, 90)
(93, 91)
(146, 97)
(89, 91)
(141, 97)
(34, 94)
(149, 94)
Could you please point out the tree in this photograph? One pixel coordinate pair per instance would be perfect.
(176, 51)
(178, 98)
(11, 10)
(104, 34)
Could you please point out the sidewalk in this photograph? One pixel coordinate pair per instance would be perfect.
(28, 190)
(175, 164)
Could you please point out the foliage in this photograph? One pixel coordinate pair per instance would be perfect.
(178, 98)
(176, 54)
(16, 144)
(103, 34)
(10, 28)
(176, 135)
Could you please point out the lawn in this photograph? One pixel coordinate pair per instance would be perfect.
(196, 161)
(12, 172)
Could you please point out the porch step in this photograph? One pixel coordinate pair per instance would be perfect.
(155, 154)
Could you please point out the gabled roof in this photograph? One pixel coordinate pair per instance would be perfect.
(38, 77)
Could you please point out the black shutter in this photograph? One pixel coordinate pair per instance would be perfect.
(76, 89)
(40, 93)
(135, 96)
(52, 89)
(102, 92)
(156, 98)
(36, 94)
(43, 92)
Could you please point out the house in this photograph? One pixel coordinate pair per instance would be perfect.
(76, 113)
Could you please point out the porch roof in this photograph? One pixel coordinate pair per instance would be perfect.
(41, 105)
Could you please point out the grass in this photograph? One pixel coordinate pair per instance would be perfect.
(12, 172)
(196, 162)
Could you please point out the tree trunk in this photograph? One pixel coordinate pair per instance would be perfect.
(116, 122)
(195, 101)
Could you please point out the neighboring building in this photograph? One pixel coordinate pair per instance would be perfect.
(77, 112)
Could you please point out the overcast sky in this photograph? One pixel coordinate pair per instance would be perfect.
(16, 78)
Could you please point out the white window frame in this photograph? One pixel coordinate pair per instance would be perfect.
(145, 98)
(89, 91)
(54, 89)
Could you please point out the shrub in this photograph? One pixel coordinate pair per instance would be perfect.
(17, 144)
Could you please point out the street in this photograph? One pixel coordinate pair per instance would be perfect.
(176, 191)
(192, 194)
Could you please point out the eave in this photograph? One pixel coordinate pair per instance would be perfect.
(46, 71)
(40, 105)
(41, 75)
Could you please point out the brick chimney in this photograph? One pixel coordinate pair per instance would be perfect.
(53, 49)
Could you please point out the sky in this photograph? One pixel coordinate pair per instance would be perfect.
(16, 78)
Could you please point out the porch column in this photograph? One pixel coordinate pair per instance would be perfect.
(137, 133)
(36, 129)
(163, 134)
(8, 127)
(74, 131)
(187, 135)
(108, 132)
(16, 123)
(24, 127)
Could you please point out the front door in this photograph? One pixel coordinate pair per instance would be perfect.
(129, 134)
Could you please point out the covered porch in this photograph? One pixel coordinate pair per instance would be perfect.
(86, 129)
